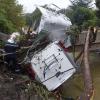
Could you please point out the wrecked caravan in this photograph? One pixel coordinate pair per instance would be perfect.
(51, 65)
(53, 23)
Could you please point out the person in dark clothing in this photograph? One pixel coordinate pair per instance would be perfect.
(10, 48)
(93, 34)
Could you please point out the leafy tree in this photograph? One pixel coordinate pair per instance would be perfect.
(98, 4)
(81, 3)
(33, 18)
(80, 13)
(5, 25)
(11, 18)
(28, 18)
(98, 8)
(98, 11)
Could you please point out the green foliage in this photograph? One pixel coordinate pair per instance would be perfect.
(74, 30)
(98, 4)
(6, 26)
(80, 3)
(40, 90)
(1, 44)
(36, 18)
(11, 18)
(98, 11)
(23, 38)
(36, 14)
(28, 18)
(80, 14)
(92, 22)
(33, 18)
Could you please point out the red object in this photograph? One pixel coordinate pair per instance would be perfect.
(30, 71)
(62, 46)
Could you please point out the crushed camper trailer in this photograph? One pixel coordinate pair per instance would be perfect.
(51, 65)
(54, 24)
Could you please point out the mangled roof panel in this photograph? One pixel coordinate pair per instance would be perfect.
(54, 23)
(53, 17)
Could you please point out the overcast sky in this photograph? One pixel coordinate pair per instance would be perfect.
(29, 5)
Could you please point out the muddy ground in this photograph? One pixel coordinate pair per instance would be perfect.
(10, 89)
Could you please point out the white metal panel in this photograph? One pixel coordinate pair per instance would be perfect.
(52, 66)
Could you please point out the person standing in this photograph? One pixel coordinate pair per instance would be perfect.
(11, 46)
